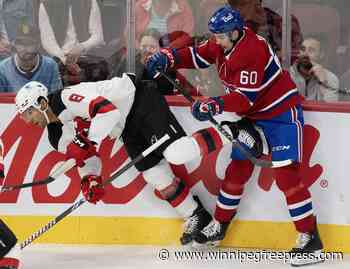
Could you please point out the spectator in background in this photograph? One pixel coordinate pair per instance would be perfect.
(27, 64)
(165, 16)
(314, 81)
(151, 42)
(13, 13)
(5, 46)
(69, 30)
(113, 15)
(268, 24)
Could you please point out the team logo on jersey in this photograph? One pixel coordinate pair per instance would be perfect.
(227, 18)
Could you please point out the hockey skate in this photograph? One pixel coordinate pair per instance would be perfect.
(308, 250)
(194, 224)
(212, 234)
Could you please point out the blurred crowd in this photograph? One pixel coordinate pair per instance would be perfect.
(62, 43)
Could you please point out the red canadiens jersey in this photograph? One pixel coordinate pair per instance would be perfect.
(256, 86)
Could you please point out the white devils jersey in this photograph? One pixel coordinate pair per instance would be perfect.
(103, 106)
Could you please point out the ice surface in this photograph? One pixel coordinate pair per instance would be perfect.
(141, 257)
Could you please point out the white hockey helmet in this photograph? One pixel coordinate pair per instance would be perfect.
(29, 95)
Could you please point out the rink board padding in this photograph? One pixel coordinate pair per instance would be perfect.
(167, 231)
(131, 213)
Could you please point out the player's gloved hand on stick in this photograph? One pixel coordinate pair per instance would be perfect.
(160, 61)
(92, 189)
(80, 149)
(212, 106)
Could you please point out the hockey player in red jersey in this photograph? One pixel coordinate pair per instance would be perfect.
(9, 251)
(264, 95)
(78, 118)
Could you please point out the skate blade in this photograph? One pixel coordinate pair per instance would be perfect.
(303, 261)
(211, 244)
(188, 244)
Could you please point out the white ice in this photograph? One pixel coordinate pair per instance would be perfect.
(139, 257)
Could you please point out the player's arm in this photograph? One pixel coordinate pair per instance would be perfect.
(188, 57)
(242, 90)
(104, 116)
(85, 103)
(197, 57)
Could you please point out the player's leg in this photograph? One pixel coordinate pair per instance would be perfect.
(149, 120)
(188, 148)
(9, 251)
(285, 136)
(299, 202)
(236, 176)
(178, 195)
(207, 140)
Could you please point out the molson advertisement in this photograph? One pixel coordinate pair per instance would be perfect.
(131, 213)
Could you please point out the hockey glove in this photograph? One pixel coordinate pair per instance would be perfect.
(212, 106)
(244, 131)
(160, 61)
(81, 126)
(92, 189)
(80, 149)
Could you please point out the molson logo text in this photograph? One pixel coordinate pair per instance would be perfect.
(27, 138)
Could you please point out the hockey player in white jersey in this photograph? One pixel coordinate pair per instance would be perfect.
(78, 118)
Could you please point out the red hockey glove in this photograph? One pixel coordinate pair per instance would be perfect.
(91, 188)
(81, 126)
(80, 149)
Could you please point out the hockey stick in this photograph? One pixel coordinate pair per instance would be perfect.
(228, 136)
(77, 204)
(58, 171)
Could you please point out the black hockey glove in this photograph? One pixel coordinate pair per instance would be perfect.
(245, 132)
